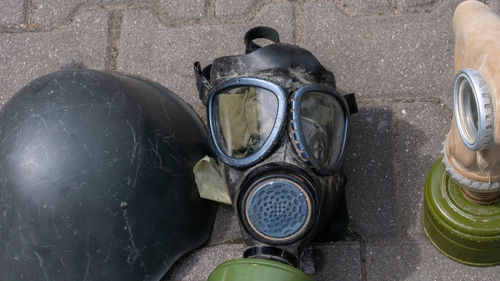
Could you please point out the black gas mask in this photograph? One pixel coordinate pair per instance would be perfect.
(278, 126)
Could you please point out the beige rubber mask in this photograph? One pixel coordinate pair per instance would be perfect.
(471, 152)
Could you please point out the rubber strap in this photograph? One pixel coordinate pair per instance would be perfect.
(202, 81)
(351, 103)
(259, 32)
(202, 76)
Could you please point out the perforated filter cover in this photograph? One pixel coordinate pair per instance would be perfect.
(278, 209)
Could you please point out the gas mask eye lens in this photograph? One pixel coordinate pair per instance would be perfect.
(473, 109)
(317, 138)
(244, 118)
(323, 126)
(469, 109)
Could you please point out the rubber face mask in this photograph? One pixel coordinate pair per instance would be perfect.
(472, 149)
(278, 126)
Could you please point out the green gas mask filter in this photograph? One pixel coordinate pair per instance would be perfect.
(250, 269)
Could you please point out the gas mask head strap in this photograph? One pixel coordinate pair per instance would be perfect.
(203, 81)
(351, 103)
(202, 76)
(259, 32)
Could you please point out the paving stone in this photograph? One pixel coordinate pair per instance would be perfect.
(166, 54)
(371, 189)
(234, 8)
(197, 265)
(421, 129)
(26, 56)
(396, 56)
(417, 5)
(419, 261)
(178, 10)
(11, 12)
(336, 261)
(52, 13)
(365, 7)
(226, 226)
(494, 5)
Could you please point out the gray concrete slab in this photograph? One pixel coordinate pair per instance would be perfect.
(388, 56)
(335, 261)
(417, 5)
(26, 56)
(178, 11)
(365, 8)
(420, 132)
(235, 8)
(226, 226)
(11, 12)
(419, 261)
(371, 186)
(166, 54)
(52, 13)
(493, 4)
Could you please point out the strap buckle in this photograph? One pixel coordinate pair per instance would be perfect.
(202, 81)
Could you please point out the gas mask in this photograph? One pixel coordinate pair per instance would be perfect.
(461, 212)
(278, 127)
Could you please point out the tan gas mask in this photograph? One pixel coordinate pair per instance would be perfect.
(471, 153)
(461, 209)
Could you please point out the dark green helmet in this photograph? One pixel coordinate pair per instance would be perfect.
(96, 179)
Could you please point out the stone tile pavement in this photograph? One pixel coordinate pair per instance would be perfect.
(396, 55)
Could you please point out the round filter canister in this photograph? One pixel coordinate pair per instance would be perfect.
(466, 232)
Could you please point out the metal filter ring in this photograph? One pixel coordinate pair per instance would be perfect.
(474, 114)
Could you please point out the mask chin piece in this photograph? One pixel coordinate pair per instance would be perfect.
(271, 253)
